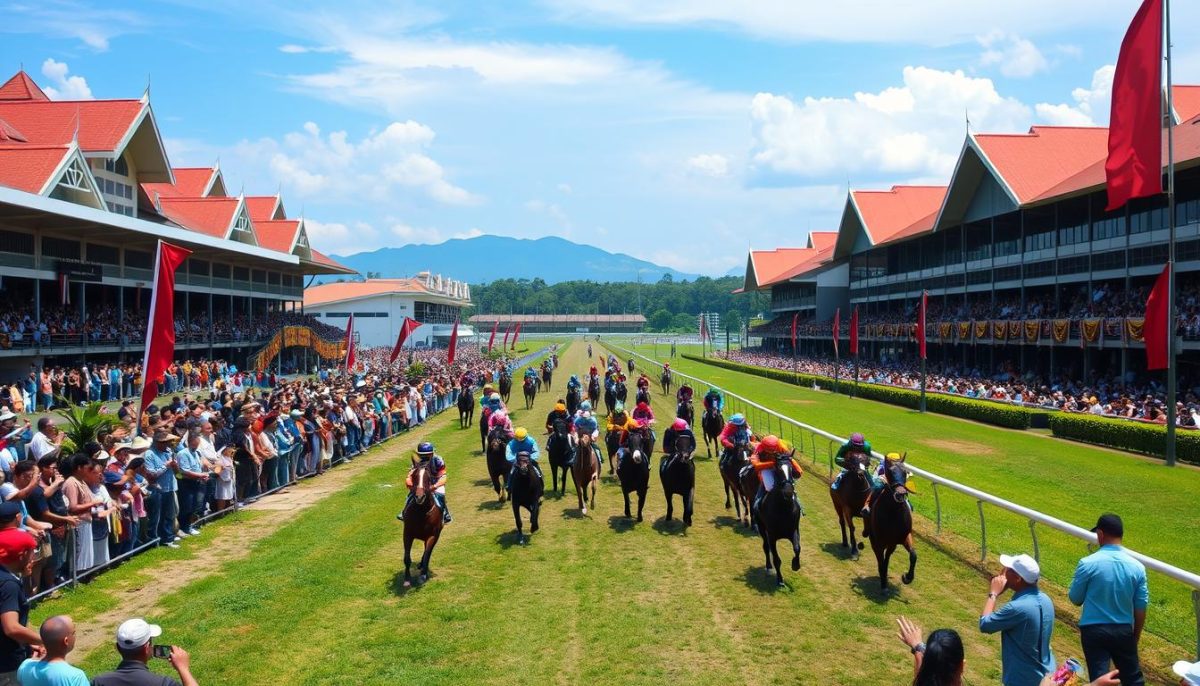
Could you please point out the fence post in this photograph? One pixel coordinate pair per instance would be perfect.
(830, 459)
(1196, 605)
(70, 550)
(937, 503)
(813, 435)
(982, 531)
(1037, 555)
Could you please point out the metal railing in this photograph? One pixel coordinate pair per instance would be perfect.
(1034, 517)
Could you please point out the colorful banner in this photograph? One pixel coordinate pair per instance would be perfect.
(1061, 330)
(999, 331)
(946, 330)
(964, 331)
(1135, 330)
(1033, 330)
(1090, 330)
(1014, 331)
(982, 331)
(297, 337)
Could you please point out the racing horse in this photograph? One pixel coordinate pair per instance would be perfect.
(665, 381)
(505, 385)
(712, 424)
(547, 374)
(731, 469)
(610, 398)
(497, 462)
(891, 521)
(585, 472)
(527, 487)
(558, 448)
(850, 496)
(779, 518)
(572, 401)
(633, 471)
(529, 388)
(593, 392)
(685, 410)
(620, 390)
(679, 477)
(422, 521)
(485, 414)
(466, 408)
(630, 366)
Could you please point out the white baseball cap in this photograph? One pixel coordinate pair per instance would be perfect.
(1025, 566)
(6, 415)
(135, 633)
(1189, 671)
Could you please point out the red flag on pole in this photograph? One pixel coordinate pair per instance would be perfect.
(703, 328)
(837, 324)
(1134, 166)
(410, 325)
(516, 332)
(160, 337)
(350, 343)
(64, 289)
(504, 343)
(1157, 328)
(453, 343)
(492, 338)
(795, 320)
(854, 331)
(921, 322)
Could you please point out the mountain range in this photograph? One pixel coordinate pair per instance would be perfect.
(483, 259)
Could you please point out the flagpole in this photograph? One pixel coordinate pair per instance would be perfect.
(1171, 363)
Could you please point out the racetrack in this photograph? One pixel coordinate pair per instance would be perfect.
(592, 600)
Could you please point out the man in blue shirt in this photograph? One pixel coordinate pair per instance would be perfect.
(162, 508)
(1111, 587)
(1025, 623)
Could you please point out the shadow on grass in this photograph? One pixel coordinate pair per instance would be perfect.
(759, 578)
(621, 524)
(673, 527)
(510, 539)
(868, 587)
(398, 588)
(573, 513)
(482, 482)
(835, 549)
(493, 505)
(731, 523)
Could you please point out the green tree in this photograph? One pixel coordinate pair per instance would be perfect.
(684, 322)
(732, 320)
(660, 320)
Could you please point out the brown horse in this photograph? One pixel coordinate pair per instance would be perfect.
(585, 471)
(712, 423)
(422, 521)
(497, 462)
(891, 522)
(529, 388)
(850, 496)
(730, 471)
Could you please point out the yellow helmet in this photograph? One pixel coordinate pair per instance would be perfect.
(895, 457)
(520, 433)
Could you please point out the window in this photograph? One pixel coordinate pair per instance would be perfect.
(104, 254)
(1108, 260)
(1072, 235)
(1039, 241)
(1036, 269)
(220, 271)
(18, 243)
(1073, 265)
(138, 259)
(1187, 212)
(241, 273)
(61, 247)
(1148, 220)
(1009, 273)
(1109, 227)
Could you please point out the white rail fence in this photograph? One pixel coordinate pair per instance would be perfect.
(1190, 579)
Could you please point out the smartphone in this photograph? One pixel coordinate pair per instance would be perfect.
(162, 652)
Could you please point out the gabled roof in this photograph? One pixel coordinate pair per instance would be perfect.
(899, 212)
(822, 239)
(320, 258)
(814, 262)
(1186, 101)
(9, 134)
(28, 167)
(190, 182)
(21, 87)
(265, 207)
(102, 124)
(211, 216)
(1029, 164)
(764, 267)
(276, 234)
(338, 292)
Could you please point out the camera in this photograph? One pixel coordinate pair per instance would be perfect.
(162, 652)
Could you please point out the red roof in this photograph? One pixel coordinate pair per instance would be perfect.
(28, 167)
(101, 124)
(319, 257)
(190, 182)
(276, 235)
(9, 134)
(769, 265)
(822, 239)
(900, 212)
(261, 207)
(1186, 101)
(211, 216)
(814, 261)
(1033, 163)
(21, 87)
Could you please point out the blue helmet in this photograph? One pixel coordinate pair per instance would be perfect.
(738, 419)
(425, 448)
(586, 406)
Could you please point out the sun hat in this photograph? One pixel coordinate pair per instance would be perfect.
(1025, 566)
(560, 407)
(135, 633)
(585, 405)
(7, 415)
(162, 436)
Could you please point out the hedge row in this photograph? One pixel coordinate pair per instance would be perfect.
(1008, 416)
(1126, 435)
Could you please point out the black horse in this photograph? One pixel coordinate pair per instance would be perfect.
(527, 487)
(558, 448)
(620, 391)
(529, 388)
(731, 469)
(684, 410)
(505, 386)
(643, 395)
(679, 477)
(466, 408)
(630, 366)
(593, 391)
(547, 374)
(634, 471)
(572, 401)
(484, 415)
(665, 381)
(610, 400)
(891, 522)
(711, 425)
(497, 462)
(779, 518)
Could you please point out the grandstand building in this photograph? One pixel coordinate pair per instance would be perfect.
(560, 323)
(379, 307)
(86, 192)
(1022, 265)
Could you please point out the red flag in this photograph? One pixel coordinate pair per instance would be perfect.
(1134, 166)
(410, 325)
(1157, 328)
(837, 324)
(64, 290)
(507, 331)
(854, 331)
(160, 338)
(492, 338)
(453, 343)
(350, 343)
(703, 328)
(921, 322)
(795, 320)
(516, 332)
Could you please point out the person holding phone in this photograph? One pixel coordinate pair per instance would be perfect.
(135, 643)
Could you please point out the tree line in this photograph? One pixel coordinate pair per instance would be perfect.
(668, 305)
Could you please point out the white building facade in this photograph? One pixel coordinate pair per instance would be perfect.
(379, 307)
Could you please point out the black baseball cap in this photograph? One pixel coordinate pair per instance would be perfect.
(1111, 525)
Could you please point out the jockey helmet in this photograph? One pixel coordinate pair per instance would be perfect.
(425, 448)
(857, 439)
(679, 424)
(494, 397)
(895, 457)
(643, 405)
(500, 415)
(560, 407)
(586, 406)
(575, 377)
(487, 389)
(713, 389)
(770, 444)
(738, 419)
(520, 434)
(619, 407)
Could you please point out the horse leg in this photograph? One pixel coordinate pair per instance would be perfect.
(912, 560)
(407, 561)
(641, 502)
(592, 500)
(533, 517)
(855, 544)
(841, 518)
(688, 501)
(579, 494)
(670, 504)
(517, 516)
(883, 556)
(424, 569)
(777, 562)
(726, 483)
(626, 494)
(796, 548)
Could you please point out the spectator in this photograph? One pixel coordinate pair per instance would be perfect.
(58, 637)
(1111, 587)
(16, 557)
(193, 479)
(161, 506)
(135, 643)
(1025, 623)
(47, 441)
(938, 660)
(80, 504)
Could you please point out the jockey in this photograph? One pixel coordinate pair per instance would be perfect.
(677, 429)
(558, 414)
(736, 431)
(585, 423)
(856, 444)
(426, 454)
(530, 372)
(643, 382)
(494, 401)
(684, 394)
(466, 381)
(713, 400)
(521, 442)
(878, 483)
(499, 419)
(770, 452)
(573, 383)
(585, 406)
(643, 413)
(619, 421)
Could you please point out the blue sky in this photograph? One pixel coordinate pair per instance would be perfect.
(680, 131)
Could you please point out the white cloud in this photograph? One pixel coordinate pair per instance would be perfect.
(1091, 104)
(1016, 57)
(71, 19)
(340, 238)
(712, 164)
(565, 188)
(64, 87)
(913, 129)
(294, 49)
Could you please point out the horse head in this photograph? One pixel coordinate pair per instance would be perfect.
(420, 476)
(523, 463)
(786, 476)
(685, 447)
(896, 479)
(634, 445)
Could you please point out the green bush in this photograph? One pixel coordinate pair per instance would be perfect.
(1125, 435)
(1008, 416)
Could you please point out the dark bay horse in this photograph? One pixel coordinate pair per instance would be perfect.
(527, 487)
(634, 471)
(466, 408)
(572, 401)
(620, 391)
(585, 472)
(558, 448)
(779, 518)
(684, 410)
(730, 474)
(593, 392)
(665, 381)
(642, 395)
(529, 388)
(547, 375)
(505, 386)
(422, 522)
(711, 425)
(497, 463)
(891, 522)
(850, 496)
(679, 477)
(610, 400)
(484, 415)
(631, 366)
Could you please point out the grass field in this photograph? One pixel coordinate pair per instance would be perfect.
(595, 599)
(1071, 481)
